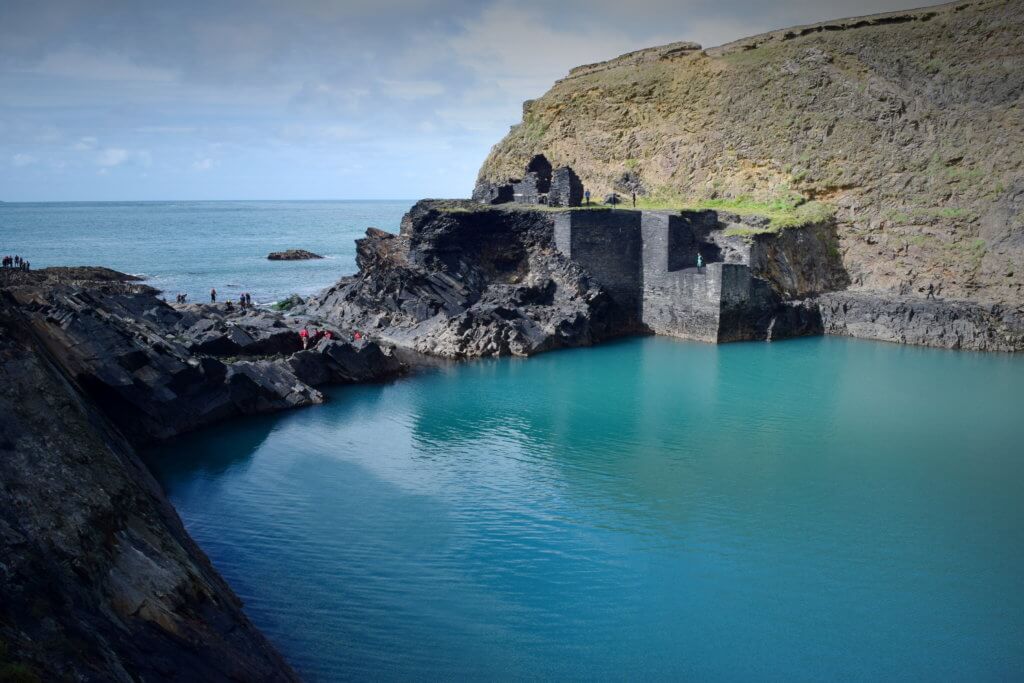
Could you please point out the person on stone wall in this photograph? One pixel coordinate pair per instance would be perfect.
(213, 295)
(700, 261)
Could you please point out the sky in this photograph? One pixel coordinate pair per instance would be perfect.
(308, 99)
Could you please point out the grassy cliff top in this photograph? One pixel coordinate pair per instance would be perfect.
(909, 126)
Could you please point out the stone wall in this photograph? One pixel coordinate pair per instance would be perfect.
(607, 244)
(678, 300)
(566, 188)
(648, 261)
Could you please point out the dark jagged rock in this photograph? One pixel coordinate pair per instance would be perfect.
(947, 324)
(465, 281)
(142, 361)
(98, 579)
(292, 255)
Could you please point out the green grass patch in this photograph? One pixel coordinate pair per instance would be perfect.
(784, 212)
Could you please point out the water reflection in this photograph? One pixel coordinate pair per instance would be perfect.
(805, 509)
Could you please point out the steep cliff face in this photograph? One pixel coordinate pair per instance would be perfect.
(909, 126)
(98, 579)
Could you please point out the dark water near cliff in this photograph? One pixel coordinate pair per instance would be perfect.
(193, 246)
(808, 510)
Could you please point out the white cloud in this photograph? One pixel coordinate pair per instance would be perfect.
(112, 156)
(204, 164)
(85, 144)
(117, 156)
(21, 160)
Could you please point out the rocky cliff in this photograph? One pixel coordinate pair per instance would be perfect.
(461, 280)
(98, 579)
(908, 126)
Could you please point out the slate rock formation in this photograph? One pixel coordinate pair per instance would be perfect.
(98, 578)
(461, 280)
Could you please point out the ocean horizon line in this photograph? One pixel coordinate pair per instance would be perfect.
(167, 201)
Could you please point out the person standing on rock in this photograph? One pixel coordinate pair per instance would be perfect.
(248, 300)
(241, 301)
(700, 261)
(213, 295)
(931, 291)
(304, 336)
(634, 199)
(586, 197)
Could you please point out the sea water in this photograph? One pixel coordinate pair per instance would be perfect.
(191, 247)
(815, 509)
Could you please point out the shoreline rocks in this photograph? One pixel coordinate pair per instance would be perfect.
(465, 280)
(98, 578)
(96, 365)
(948, 324)
(292, 255)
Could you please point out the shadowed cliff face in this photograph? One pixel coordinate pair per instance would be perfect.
(98, 579)
(909, 125)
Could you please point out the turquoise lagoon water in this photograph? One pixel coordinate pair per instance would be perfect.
(193, 246)
(817, 509)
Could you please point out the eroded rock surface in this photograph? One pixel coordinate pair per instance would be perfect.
(98, 579)
(950, 324)
(461, 280)
(909, 125)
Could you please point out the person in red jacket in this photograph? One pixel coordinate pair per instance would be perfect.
(304, 336)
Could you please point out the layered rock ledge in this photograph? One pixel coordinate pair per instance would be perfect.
(98, 578)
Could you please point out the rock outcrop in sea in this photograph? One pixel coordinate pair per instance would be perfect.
(292, 255)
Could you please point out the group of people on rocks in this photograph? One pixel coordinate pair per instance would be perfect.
(312, 338)
(16, 262)
(244, 300)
